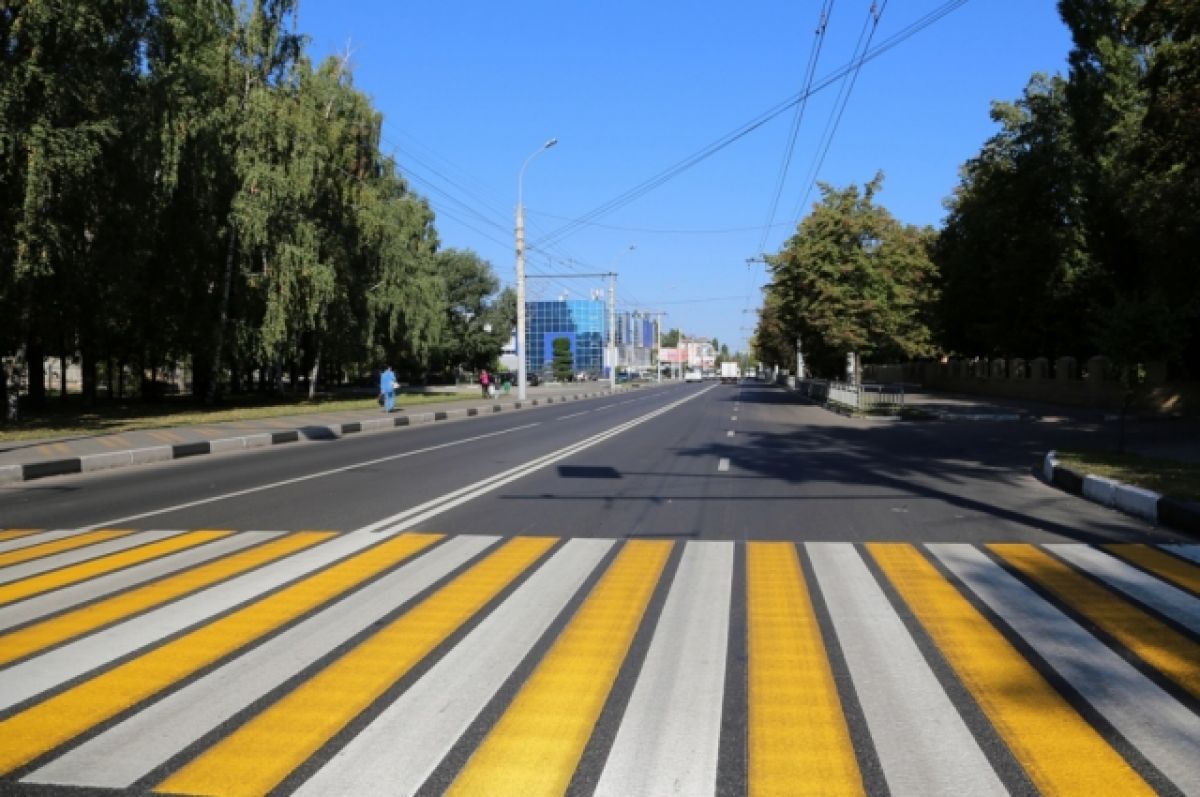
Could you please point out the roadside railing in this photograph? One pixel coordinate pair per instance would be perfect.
(859, 397)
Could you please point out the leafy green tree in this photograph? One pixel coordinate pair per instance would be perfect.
(853, 279)
(564, 361)
(670, 338)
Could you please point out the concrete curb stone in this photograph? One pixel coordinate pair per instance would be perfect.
(1148, 505)
(108, 460)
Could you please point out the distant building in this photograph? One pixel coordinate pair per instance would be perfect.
(580, 321)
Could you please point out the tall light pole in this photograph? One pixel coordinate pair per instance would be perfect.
(612, 320)
(521, 355)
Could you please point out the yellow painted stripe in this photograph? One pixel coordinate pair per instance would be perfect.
(536, 745)
(1059, 750)
(160, 437)
(58, 719)
(55, 579)
(259, 755)
(1152, 640)
(39, 636)
(16, 534)
(798, 742)
(1161, 564)
(61, 448)
(58, 546)
(106, 442)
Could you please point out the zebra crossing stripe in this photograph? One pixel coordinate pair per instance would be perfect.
(536, 745)
(1058, 749)
(1161, 729)
(1191, 552)
(393, 754)
(39, 636)
(56, 579)
(798, 741)
(296, 726)
(58, 719)
(670, 734)
(900, 696)
(1165, 566)
(1152, 640)
(123, 755)
(16, 534)
(58, 546)
(1165, 599)
(71, 558)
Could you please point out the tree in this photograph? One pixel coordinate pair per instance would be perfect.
(853, 279)
(670, 338)
(564, 361)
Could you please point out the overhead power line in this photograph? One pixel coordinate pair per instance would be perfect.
(703, 154)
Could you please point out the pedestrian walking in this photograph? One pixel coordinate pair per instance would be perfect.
(387, 388)
(484, 381)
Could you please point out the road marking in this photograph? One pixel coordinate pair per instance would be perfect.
(535, 746)
(319, 475)
(729, 433)
(296, 726)
(903, 700)
(723, 465)
(1165, 566)
(16, 534)
(132, 749)
(39, 636)
(1186, 551)
(1048, 737)
(58, 546)
(411, 517)
(1163, 730)
(394, 755)
(1163, 598)
(58, 719)
(55, 579)
(574, 415)
(1167, 650)
(798, 741)
(670, 733)
(733, 417)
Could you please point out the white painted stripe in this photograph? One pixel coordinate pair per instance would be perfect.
(414, 516)
(129, 751)
(74, 557)
(923, 744)
(723, 465)
(1158, 595)
(68, 597)
(308, 477)
(1186, 551)
(36, 539)
(733, 417)
(394, 754)
(35, 675)
(729, 433)
(669, 738)
(574, 415)
(1163, 730)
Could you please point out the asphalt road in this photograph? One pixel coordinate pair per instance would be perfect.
(723, 462)
(692, 589)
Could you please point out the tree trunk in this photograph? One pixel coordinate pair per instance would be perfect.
(222, 319)
(312, 376)
(90, 372)
(62, 378)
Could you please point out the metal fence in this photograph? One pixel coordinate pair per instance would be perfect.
(859, 397)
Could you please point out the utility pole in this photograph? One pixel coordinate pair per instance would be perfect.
(612, 331)
(522, 377)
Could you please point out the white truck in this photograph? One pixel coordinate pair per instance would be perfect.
(731, 372)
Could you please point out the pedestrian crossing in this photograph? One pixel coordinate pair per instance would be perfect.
(209, 661)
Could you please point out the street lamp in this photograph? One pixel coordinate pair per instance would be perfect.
(612, 319)
(521, 367)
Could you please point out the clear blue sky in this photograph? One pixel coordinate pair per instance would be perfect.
(470, 89)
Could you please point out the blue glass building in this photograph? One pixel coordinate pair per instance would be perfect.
(581, 321)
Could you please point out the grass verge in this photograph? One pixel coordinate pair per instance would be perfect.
(1168, 477)
(72, 419)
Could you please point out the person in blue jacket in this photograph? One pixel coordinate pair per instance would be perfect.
(387, 386)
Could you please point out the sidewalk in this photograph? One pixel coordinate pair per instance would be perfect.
(34, 459)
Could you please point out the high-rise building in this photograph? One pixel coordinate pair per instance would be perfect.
(580, 321)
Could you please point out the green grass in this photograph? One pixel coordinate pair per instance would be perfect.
(1168, 477)
(71, 419)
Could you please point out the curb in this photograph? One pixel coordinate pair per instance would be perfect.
(1162, 510)
(109, 460)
